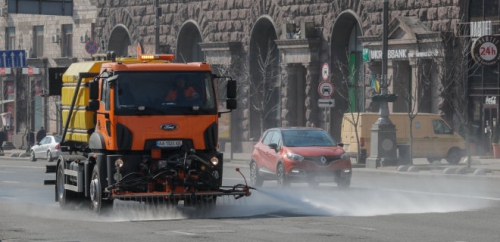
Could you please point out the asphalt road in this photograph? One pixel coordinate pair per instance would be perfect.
(380, 206)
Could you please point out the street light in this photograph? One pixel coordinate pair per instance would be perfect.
(383, 137)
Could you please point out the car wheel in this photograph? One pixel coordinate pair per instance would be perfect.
(49, 156)
(344, 182)
(454, 156)
(255, 179)
(64, 197)
(282, 179)
(97, 204)
(32, 156)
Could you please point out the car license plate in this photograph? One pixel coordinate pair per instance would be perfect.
(325, 179)
(169, 143)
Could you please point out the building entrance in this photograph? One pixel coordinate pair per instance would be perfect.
(490, 119)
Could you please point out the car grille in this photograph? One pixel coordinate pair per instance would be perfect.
(317, 159)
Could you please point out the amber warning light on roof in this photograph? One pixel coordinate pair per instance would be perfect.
(141, 56)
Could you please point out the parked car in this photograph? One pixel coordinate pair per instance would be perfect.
(299, 154)
(48, 148)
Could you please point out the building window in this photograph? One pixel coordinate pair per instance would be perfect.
(47, 7)
(67, 40)
(484, 10)
(37, 42)
(10, 38)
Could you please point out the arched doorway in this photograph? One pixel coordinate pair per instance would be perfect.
(347, 68)
(188, 48)
(264, 86)
(119, 41)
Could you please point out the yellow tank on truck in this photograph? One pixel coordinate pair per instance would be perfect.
(81, 119)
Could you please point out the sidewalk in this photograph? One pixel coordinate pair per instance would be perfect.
(481, 166)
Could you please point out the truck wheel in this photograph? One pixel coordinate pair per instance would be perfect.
(281, 174)
(64, 196)
(97, 204)
(32, 155)
(454, 156)
(255, 179)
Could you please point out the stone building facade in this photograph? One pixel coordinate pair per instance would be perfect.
(49, 41)
(276, 49)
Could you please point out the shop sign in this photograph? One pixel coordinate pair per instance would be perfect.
(485, 50)
(480, 28)
(366, 55)
(391, 54)
(490, 100)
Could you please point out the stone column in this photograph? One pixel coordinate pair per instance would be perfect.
(311, 91)
(288, 76)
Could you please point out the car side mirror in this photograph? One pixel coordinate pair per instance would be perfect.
(341, 145)
(273, 146)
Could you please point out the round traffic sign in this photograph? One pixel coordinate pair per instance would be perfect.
(91, 47)
(325, 71)
(325, 89)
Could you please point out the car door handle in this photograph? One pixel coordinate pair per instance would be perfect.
(426, 137)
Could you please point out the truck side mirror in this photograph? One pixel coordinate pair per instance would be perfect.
(231, 104)
(94, 89)
(231, 89)
(93, 105)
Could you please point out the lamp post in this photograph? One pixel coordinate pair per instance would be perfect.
(383, 148)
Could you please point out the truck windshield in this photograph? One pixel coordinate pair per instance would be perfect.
(164, 93)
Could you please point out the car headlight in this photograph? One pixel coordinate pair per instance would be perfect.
(294, 157)
(345, 157)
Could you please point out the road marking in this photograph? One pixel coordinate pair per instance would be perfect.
(10, 182)
(32, 167)
(184, 233)
(440, 194)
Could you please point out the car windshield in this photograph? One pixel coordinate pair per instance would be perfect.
(304, 138)
(164, 92)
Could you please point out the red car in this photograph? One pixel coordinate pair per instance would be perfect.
(299, 154)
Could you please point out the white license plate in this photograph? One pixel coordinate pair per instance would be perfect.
(169, 143)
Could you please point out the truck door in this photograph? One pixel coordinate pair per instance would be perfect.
(103, 125)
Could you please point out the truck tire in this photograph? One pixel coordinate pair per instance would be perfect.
(97, 204)
(65, 197)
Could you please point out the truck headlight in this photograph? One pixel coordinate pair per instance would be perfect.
(214, 161)
(294, 157)
(119, 163)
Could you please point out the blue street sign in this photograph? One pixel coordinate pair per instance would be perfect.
(12, 58)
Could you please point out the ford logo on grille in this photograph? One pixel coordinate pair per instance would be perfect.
(168, 126)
